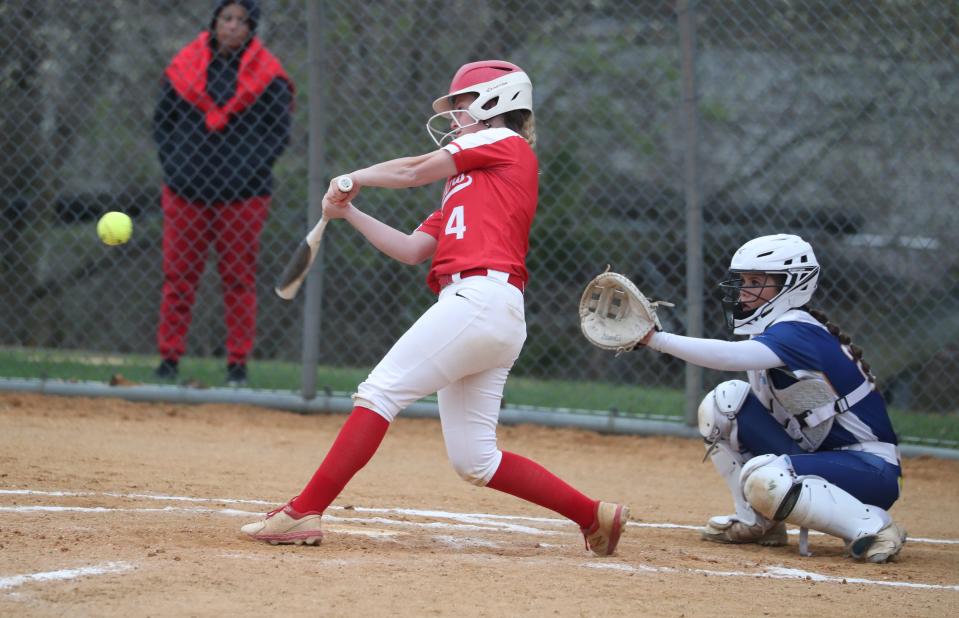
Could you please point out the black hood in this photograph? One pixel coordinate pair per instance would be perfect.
(252, 9)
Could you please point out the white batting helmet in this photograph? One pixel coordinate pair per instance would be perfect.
(780, 254)
(500, 87)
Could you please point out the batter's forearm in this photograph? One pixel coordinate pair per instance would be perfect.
(407, 171)
(402, 247)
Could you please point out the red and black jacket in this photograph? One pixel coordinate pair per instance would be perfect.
(222, 122)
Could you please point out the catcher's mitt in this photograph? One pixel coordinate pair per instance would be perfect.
(614, 314)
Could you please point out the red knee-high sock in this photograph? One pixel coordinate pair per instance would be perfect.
(526, 479)
(354, 446)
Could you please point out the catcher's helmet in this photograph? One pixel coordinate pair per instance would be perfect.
(499, 86)
(780, 254)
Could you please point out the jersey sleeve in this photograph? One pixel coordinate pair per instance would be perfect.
(716, 354)
(431, 225)
(485, 149)
(797, 344)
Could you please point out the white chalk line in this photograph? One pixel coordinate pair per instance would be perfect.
(107, 509)
(33, 492)
(776, 572)
(468, 518)
(474, 521)
(491, 526)
(64, 574)
(334, 518)
(457, 542)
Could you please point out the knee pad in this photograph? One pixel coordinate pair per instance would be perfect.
(770, 485)
(718, 410)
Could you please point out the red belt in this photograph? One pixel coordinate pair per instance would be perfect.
(513, 280)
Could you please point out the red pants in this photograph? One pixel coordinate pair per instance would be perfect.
(188, 229)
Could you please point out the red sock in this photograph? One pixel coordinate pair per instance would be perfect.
(354, 446)
(526, 479)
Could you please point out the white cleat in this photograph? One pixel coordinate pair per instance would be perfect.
(728, 529)
(880, 547)
(603, 537)
(286, 526)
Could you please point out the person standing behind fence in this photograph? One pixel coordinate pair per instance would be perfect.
(463, 346)
(807, 440)
(222, 120)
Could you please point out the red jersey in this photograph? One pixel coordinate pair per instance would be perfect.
(488, 207)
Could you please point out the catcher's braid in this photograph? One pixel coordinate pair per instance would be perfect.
(845, 340)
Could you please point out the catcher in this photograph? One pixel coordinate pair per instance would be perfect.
(807, 440)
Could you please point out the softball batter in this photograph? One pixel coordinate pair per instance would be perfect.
(463, 346)
(808, 440)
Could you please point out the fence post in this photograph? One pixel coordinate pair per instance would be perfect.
(316, 188)
(694, 214)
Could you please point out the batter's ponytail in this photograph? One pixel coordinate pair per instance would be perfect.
(521, 121)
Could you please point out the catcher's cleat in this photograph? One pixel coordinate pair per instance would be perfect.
(603, 536)
(882, 546)
(283, 525)
(728, 529)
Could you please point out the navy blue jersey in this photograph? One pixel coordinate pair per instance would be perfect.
(804, 345)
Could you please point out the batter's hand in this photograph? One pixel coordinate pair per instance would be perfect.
(337, 196)
(334, 211)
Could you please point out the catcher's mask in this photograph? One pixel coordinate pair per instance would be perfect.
(499, 86)
(793, 268)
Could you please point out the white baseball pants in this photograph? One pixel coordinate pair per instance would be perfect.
(461, 348)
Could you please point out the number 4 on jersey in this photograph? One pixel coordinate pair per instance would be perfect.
(456, 223)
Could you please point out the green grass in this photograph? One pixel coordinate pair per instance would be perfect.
(928, 429)
(596, 397)
(209, 372)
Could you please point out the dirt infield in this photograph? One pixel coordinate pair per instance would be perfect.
(112, 508)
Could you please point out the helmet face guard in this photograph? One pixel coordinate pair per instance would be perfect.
(440, 126)
(733, 288)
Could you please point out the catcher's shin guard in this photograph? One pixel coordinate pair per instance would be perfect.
(729, 464)
(745, 525)
(717, 424)
(773, 489)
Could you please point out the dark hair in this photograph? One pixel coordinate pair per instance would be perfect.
(252, 12)
(845, 340)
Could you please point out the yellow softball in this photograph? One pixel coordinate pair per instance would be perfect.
(114, 228)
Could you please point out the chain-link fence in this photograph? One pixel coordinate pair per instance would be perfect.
(668, 134)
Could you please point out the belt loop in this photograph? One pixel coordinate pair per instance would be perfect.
(498, 275)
